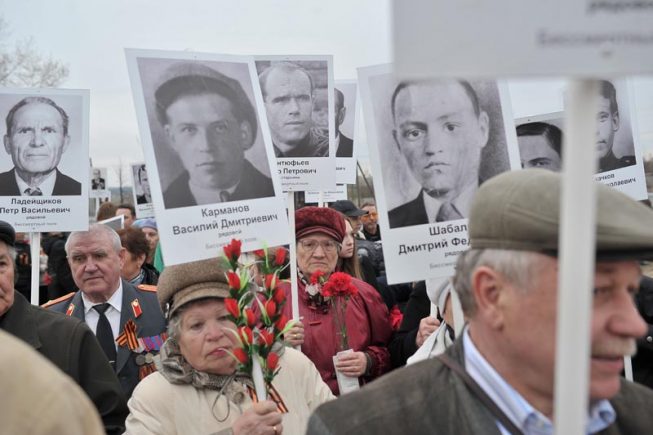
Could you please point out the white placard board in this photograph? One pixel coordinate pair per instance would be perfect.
(49, 133)
(337, 194)
(141, 192)
(208, 152)
(295, 90)
(423, 138)
(99, 185)
(619, 151)
(346, 119)
(470, 38)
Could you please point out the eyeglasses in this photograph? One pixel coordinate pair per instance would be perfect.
(367, 217)
(311, 245)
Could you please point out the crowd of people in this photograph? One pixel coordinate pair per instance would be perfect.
(151, 348)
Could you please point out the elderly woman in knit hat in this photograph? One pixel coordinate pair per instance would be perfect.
(149, 228)
(197, 389)
(320, 232)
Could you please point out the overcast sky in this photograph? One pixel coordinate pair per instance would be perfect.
(90, 36)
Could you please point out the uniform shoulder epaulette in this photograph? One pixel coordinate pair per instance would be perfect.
(56, 301)
(147, 287)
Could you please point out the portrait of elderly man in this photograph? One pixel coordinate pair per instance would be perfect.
(97, 182)
(608, 124)
(288, 95)
(440, 129)
(36, 138)
(145, 195)
(499, 375)
(209, 122)
(540, 146)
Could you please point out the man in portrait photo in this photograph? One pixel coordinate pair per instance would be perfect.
(97, 182)
(145, 195)
(288, 95)
(540, 146)
(608, 124)
(36, 138)
(344, 145)
(210, 123)
(440, 129)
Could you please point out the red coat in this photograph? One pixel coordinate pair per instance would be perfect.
(368, 328)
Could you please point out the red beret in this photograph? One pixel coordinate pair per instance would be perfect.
(311, 220)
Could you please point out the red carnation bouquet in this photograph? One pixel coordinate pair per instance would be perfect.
(256, 335)
(338, 290)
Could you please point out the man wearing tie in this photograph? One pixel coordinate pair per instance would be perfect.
(440, 130)
(36, 137)
(127, 320)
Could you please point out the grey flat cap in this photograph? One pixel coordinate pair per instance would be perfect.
(183, 283)
(520, 210)
(192, 78)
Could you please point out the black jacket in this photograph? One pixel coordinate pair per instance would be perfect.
(70, 345)
(63, 186)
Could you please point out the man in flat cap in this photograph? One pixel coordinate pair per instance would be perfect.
(288, 95)
(36, 138)
(127, 320)
(498, 377)
(210, 123)
(68, 343)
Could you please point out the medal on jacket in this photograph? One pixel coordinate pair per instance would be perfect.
(70, 310)
(136, 307)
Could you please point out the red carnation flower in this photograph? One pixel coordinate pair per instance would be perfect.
(279, 296)
(232, 250)
(234, 280)
(250, 317)
(280, 257)
(265, 338)
(270, 307)
(272, 361)
(232, 307)
(339, 284)
(241, 355)
(281, 322)
(317, 277)
(246, 334)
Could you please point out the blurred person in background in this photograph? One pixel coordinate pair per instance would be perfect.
(135, 269)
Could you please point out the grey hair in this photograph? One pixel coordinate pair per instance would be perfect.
(516, 266)
(174, 325)
(94, 230)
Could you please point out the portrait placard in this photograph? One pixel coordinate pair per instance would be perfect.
(208, 152)
(346, 114)
(337, 194)
(298, 95)
(433, 142)
(141, 191)
(582, 38)
(620, 163)
(99, 186)
(44, 176)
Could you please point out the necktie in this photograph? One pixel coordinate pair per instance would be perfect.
(224, 196)
(448, 212)
(33, 192)
(104, 333)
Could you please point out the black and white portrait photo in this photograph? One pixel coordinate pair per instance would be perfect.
(205, 131)
(41, 141)
(345, 117)
(440, 139)
(297, 100)
(141, 185)
(615, 149)
(98, 178)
